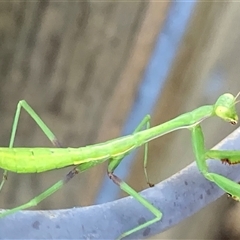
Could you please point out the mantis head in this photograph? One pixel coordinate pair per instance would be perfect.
(225, 108)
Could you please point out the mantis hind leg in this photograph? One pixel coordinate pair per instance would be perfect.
(33, 202)
(230, 157)
(23, 104)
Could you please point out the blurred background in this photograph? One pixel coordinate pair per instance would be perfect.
(92, 70)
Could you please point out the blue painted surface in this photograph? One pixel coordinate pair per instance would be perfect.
(156, 73)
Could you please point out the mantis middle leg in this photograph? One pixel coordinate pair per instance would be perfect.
(145, 122)
(113, 163)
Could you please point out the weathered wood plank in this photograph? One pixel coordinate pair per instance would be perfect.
(66, 60)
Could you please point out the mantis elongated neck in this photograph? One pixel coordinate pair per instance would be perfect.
(186, 120)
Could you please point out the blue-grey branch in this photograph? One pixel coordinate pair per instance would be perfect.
(177, 197)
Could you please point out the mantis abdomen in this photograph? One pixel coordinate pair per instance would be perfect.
(32, 160)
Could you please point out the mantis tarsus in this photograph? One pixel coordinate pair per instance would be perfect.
(30, 160)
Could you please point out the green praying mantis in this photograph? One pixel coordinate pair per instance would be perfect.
(32, 160)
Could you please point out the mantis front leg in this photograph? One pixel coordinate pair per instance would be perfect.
(231, 157)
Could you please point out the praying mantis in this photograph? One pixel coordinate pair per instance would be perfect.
(31, 160)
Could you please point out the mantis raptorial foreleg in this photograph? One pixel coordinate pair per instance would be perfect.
(23, 104)
(230, 157)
